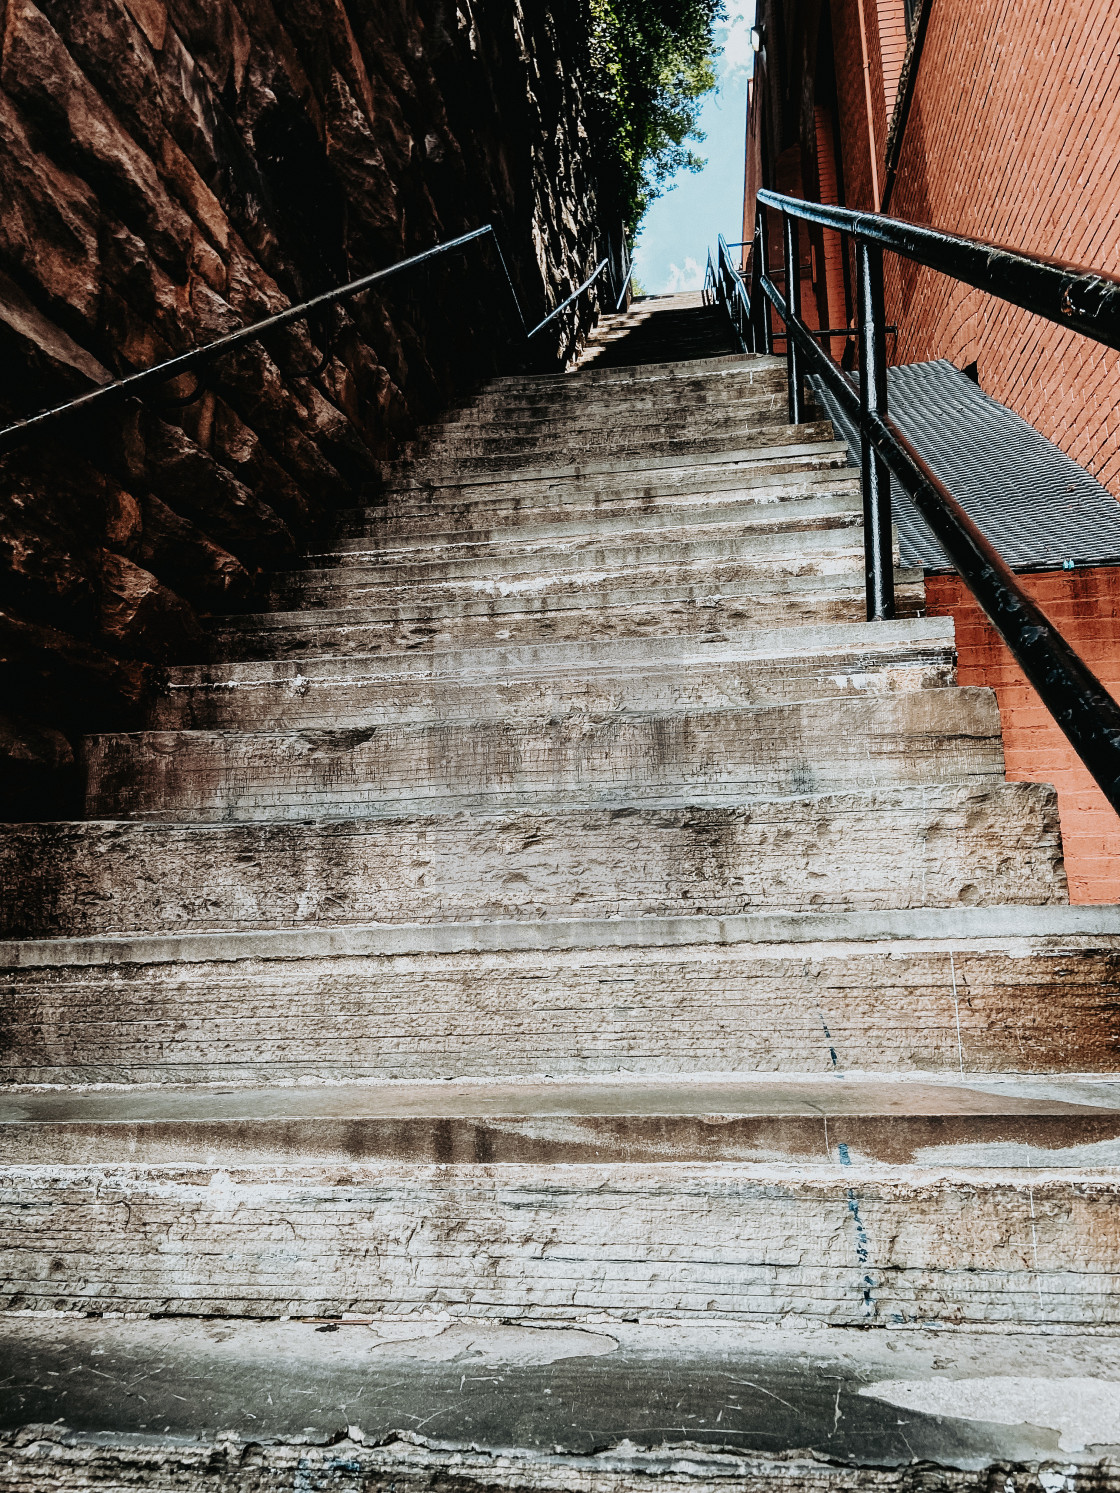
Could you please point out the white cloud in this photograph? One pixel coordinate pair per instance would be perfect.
(690, 278)
(734, 36)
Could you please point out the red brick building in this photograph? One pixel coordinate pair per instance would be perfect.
(998, 119)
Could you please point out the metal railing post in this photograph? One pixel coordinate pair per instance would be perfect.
(793, 306)
(878, 534)
(764, 334)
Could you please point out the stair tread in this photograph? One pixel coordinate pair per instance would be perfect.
(1036, 924)
(765, 1407)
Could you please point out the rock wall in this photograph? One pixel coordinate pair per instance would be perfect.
(174, 169)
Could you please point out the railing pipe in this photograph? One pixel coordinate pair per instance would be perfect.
(1074, 696)
(123, 389)
(878, 534)
(575, 295)
(1084, 300)
(135, 383)
(790, 233)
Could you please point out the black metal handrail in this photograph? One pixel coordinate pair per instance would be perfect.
(122, 389)
(1084, 300)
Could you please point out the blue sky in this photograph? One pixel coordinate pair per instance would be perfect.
(679, 228)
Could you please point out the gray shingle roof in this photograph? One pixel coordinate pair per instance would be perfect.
(1035, 504)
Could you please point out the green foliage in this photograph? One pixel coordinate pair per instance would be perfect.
(652, 63)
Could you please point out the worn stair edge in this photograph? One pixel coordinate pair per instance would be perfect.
(633, 1405)
(748, 520)
(919, 927)
(813, 440)
(951, 846)
(882, 644)
(782, 593)
(805, 748)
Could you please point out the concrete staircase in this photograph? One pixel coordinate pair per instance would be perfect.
(554, 981)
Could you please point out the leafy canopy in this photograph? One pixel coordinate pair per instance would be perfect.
(652, 63)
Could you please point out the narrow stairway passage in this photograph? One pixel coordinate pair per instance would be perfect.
(557, 948)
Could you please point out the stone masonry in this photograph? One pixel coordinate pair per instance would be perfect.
(175, 169)
(555, 998)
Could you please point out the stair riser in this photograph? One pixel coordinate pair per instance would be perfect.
(730, 365)
(501, 527)
(774, 440)
(556, 535)
(589, 409)
(808, 747)
(641, 407)
(1026, 1006)
(937, 848)
(685, 1243)
(650, 613)
(828, 552)
(324, 697)
(1049, 1142)
(555, 499)
(626, 431)
(560, 453)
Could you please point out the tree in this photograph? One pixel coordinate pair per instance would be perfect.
(652, 63)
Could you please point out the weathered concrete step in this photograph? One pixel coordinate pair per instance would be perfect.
(695, 513)
(553, 534)
(554, 486)
(727, 365)
(870, 1122)
(798, 477)
(601, 1407)
(687, 1242)
(442, 466)
(561, 678)
(601, 430)
(955, 991)
(644, 611)
(774, 440)
(889, 848)
(574, 402)
(715, 554)
(802, 748)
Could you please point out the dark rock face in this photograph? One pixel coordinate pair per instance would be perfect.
(174, 169)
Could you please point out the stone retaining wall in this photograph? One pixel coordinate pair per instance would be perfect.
(174, 170)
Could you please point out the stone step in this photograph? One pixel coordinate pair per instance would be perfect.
(872, 1122)
(577, 402)
(333, 1405)
(768, 547)
(805, 747)
(888, 848)
(649, 611)
(723, 365)
(955, 991)
(793, 504)
(773, 440)
(558, 485)
(589, 678)
(442, 465)
(833, 507)
(672, 1242)
(464, 507)
(590, 428)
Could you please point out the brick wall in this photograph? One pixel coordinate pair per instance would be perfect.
(892, 47)
(1085, 604)
(1014, 136)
